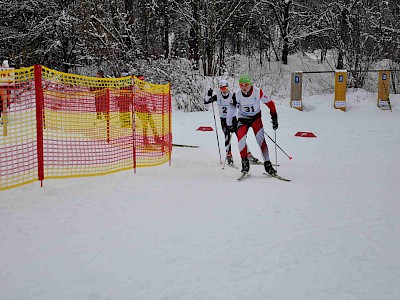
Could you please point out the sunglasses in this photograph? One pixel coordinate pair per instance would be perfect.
(244, 84)
(223, 87)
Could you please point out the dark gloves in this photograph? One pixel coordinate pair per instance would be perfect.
(232, 128)
(274, 117)
(210, 92)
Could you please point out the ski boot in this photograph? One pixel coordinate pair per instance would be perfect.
(268, 168)
(245, 165)
(253, 160)
(229, 158)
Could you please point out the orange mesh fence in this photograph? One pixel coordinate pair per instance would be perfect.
(18, 150)
(59, 125)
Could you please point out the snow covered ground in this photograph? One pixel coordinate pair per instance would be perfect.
(191, 231)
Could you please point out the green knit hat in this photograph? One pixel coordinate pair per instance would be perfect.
(245, 78)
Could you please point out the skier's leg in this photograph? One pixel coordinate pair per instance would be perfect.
(258, 129)
(227, 135)
(242, 136)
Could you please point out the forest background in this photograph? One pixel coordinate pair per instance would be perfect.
(187, 41)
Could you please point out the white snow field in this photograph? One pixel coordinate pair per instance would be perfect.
(192, 231)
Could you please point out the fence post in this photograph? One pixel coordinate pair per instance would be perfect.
(107, 113)
(4, 102)
(39, 97)
(162, 135)
(7, 80)
(133, 86)
(169, 124)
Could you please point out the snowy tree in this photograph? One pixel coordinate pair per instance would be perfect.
(162, 38)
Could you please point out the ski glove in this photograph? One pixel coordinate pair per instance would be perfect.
(231, 128)
(210, 92)
(274, 117)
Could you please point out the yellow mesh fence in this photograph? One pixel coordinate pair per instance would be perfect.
(59, 125)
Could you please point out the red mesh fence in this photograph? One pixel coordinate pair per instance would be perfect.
(58, 125)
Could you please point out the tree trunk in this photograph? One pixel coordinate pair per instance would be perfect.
(340, 65)
(285, 51)
(343, 39)
(193, 37)
(260, 49)
(285, 32)
(221, 60)
(273, 46)
(146, 43)
(165, 12)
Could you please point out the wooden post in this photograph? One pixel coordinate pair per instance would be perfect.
(340, 89)
(296, 89)
(383, 90)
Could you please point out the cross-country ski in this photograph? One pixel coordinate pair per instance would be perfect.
(277, 177)
(243, 176)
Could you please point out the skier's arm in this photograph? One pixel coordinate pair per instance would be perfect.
(231, 111)
(272, 109)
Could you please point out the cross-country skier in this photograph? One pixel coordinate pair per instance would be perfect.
(224, 99)
(246, 104)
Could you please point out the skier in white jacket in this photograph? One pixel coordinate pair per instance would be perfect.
(224, 98)
(246, 106)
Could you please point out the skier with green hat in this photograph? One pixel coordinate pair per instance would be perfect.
(246, 106)
(245, 78)
(223, 98)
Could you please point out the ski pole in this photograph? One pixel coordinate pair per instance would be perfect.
(276, 154)
(216, 132)
(278, 145)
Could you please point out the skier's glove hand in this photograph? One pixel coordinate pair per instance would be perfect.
(231, 128)
(210, 92)
(274, 118)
